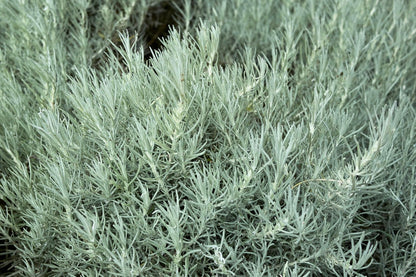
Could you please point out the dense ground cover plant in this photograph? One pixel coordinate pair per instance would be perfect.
(268, 138)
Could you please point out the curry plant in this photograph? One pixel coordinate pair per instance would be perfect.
(264, 138)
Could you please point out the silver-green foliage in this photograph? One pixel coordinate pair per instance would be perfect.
(296, 162)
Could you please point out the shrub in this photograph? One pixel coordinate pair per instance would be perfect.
(263, 138)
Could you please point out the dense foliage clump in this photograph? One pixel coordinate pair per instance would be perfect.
(207, 138)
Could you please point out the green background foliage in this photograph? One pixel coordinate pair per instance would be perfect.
(207, 138)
